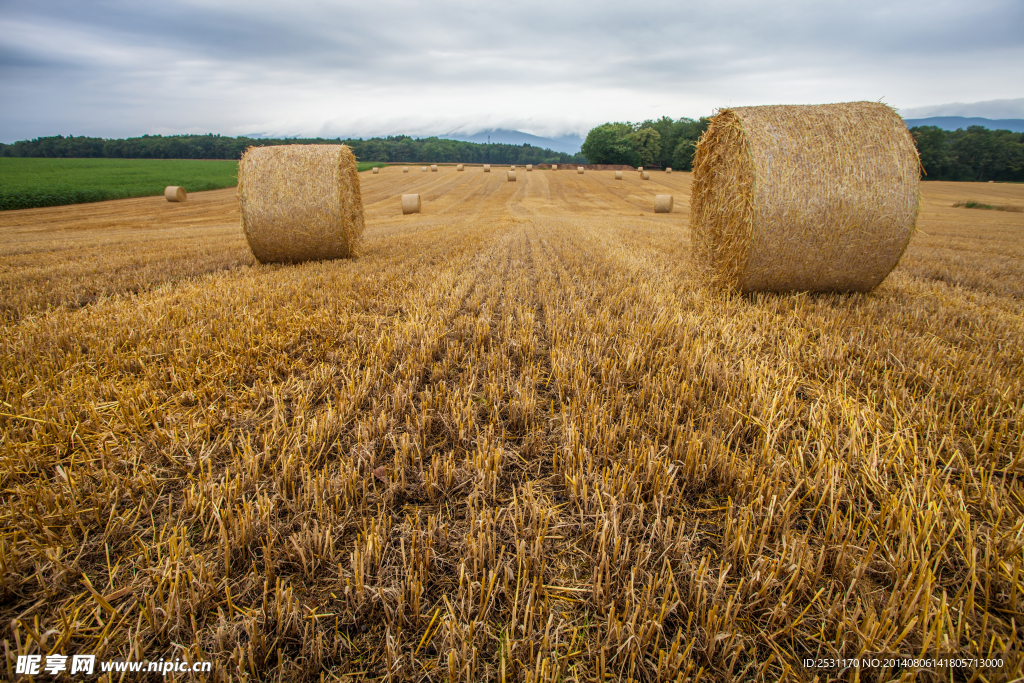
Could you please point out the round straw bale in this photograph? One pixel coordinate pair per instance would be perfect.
(405, 169)
(458, 167)
(640, 168)
(668, 170)
(511, 176)
(423, 169)
(804, 197)
(410, 203)
(646, 175)
(554, 167)
(529, 167)
(375, 170)
(300, 202)
(663, 203)
(579, 169)
(433, 168)
(618, 175)
(512, 168)
(173, 193)
(487, 168)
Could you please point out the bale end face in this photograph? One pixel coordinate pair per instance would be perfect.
(511, 176)
(300, 202)
(618, 175)
(173, 193)
(487, 168)
(646, 175)
(411, 203)
(433, 168)
(663, 203)
(579, 169)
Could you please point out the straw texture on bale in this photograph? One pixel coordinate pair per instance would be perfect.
(458, 167)
(300, 202)
(579, 169)
(173, 193)
(646, 175)
(663, 203)
(804, 197)
(411, 203)
(511, 176)
(433, 168)
(375, 170)
(529, 167)
(618, 175)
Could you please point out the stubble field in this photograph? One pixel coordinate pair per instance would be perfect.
(515, 439)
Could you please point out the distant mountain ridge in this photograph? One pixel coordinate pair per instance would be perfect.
(955, 122)
(569, 144)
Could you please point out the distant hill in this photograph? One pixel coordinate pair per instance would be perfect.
(569, 144)
(955, 122)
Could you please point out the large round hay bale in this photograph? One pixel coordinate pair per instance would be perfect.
(511, 175)
(579, 169)
(433, 168)
(411, 203)
(300, 202)
(663, 203)
(618, 175)
(487, 168)
(529, 167)
(804, 197)
(173, 193)
(646, 175)
(459, 167)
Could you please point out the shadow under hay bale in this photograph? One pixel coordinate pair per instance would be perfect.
(803, 197)
(300, 202)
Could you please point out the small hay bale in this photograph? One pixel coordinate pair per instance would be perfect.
(458, 167)
(668, 170)
(646, 175)
(511, 176)
(529, 167)
(640, 168)
(405, 169)
(512, 168)
(411, 203)
(375, 170)
(433, 168)
(554, 167)
(579, 169)
(487, 168)
(423, 169)
(804, 197)
(618, 175)
(300, 202)
(173, 193)
(663, 203)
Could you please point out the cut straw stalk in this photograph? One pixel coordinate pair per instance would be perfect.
(173, 193)
(300, 202)
(663, 203)
(411, 203)
(804, 197)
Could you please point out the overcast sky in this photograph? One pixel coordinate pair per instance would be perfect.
(377, 67)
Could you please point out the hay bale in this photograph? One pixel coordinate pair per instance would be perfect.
(173, 193)
(411, 203)
(640, 168)
(579, 169)
(433, 168)
(646, 175)
(804, 197)
(458, 167)
(618, 175)
(405, 169)
(529, 167)
(300, 202)
(511, 175)
(512, 167)
(375, 170)
(663, 203)
(487, 168)
(554, 167)
(668, 170)
(423, 169)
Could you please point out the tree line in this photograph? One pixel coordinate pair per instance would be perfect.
(394, 149)
(664, 143)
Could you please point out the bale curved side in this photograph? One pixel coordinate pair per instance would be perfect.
(300, 202)
(804, 197)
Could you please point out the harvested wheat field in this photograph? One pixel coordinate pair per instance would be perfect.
(515, 439)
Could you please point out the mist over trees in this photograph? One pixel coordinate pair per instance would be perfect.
(394, 149)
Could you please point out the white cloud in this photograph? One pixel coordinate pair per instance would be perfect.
(992, 109)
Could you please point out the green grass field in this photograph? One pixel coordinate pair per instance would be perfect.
(30, 183)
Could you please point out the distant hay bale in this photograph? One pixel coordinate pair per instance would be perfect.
(173, 193)
(433, 168)
(529, 167)
(554, 167)
(405, 169)
(668, 170)
(663, 203)
(640, 168)
(375, 169)
(511, 176)
(513, 167)
(300, 202)
(804, 197)
(579, 169)
(411, 203)
(487, 168)
(458, 167)
(646, 175)
(423, 169)
(618, 175)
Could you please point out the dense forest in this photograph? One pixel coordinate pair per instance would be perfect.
(659, 144)
(396, 149)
